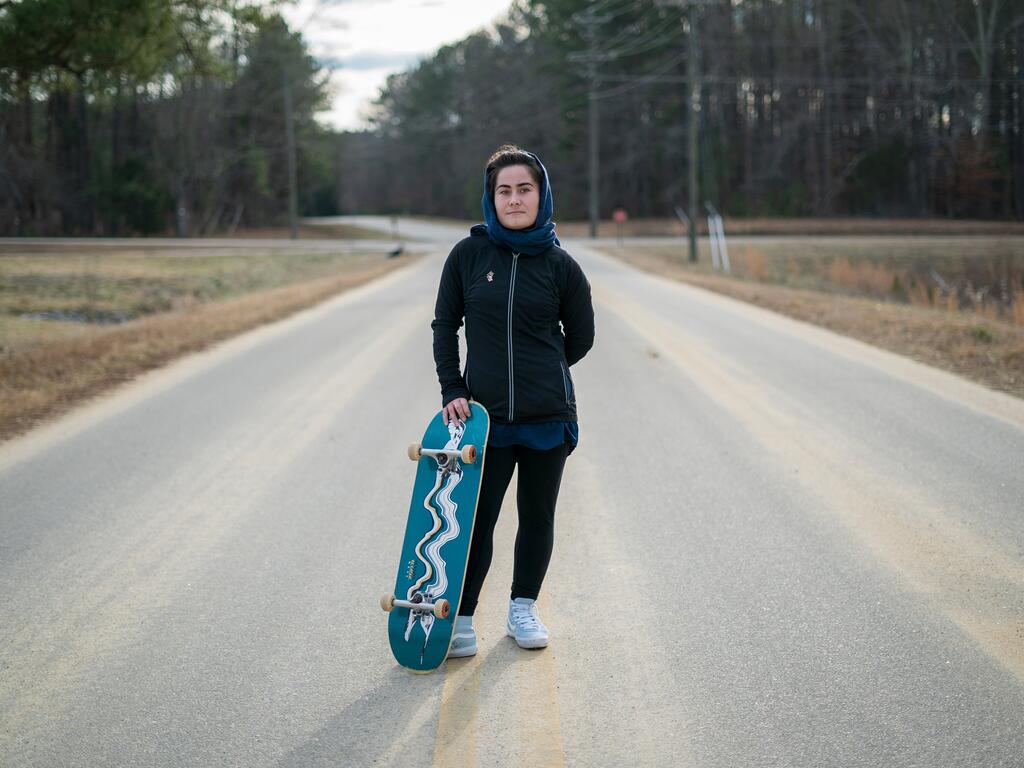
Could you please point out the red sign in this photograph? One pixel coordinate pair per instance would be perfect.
(619, 215)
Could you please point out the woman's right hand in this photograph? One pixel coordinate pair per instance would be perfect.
(457, 409)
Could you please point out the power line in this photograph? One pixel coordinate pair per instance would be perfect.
(636, 81)
(809, 80)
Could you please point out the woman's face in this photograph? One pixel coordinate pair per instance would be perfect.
(516, 197)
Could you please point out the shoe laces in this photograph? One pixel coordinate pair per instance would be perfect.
(523, 616)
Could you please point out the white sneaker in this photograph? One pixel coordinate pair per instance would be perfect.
(463, 638)
(524, 625)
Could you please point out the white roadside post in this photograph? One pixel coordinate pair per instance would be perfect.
(713, 237)
(716, 231)
(723, 251)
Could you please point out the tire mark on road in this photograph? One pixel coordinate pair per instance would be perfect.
(540, 727)
(138, 577)
(622, 664)
(965, 575)
(943, 384)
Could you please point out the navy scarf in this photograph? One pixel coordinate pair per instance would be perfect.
(532, 241)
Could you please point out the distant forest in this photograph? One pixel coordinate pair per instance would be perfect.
(162, 116)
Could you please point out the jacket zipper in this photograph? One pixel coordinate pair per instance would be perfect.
(511, 373)
(565, 382)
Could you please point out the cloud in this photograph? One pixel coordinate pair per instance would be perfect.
(373, 60)
(364, 41)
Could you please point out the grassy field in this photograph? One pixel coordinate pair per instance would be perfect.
(75, 321)
(308, 231)
(882, 291)
(861, 227)
(101, 288)
(984, 275)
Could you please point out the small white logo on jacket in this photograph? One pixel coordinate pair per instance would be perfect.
(490, 277)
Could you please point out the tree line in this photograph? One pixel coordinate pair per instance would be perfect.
(154, 116)
(169, 116)
(806, 107)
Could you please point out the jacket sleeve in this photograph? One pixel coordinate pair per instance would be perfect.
(576, 313)
(448, 314)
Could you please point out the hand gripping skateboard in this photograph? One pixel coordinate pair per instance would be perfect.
(432, 569)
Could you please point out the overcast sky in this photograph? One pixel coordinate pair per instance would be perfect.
(367, 40)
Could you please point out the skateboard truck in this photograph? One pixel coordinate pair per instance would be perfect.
(440, 609)
(443, 456)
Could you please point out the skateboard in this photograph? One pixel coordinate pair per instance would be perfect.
(435, 551)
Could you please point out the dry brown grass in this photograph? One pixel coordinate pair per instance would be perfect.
(42, 380)
(987, 350)
(865, 276)
(88, 283)
(307, 232)
(980, 274)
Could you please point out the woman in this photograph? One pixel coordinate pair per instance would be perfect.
(529, 317)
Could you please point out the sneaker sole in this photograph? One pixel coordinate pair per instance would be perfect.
(461, 653)
(530, 644)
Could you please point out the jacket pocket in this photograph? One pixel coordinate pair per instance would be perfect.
(570, 394)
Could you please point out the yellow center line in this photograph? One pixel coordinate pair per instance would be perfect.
(457, 720)
(532, 714)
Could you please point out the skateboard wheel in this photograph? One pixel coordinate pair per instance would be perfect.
(442, 608)
(387, 602)
(415, 451)
(469, 454)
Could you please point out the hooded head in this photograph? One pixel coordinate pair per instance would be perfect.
(530, 238)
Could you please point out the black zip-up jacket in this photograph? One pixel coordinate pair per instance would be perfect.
(528, 318)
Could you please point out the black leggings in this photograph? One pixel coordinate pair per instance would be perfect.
(540, 475)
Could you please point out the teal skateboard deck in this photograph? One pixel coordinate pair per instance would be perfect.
(435, 551)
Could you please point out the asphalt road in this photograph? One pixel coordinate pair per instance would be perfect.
(775, 547)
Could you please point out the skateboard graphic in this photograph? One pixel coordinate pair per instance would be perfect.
(435, 551)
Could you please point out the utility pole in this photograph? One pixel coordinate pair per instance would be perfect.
(589, 21)
(695, 88)
(693, 85)
(289, 127)
(595, 147)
